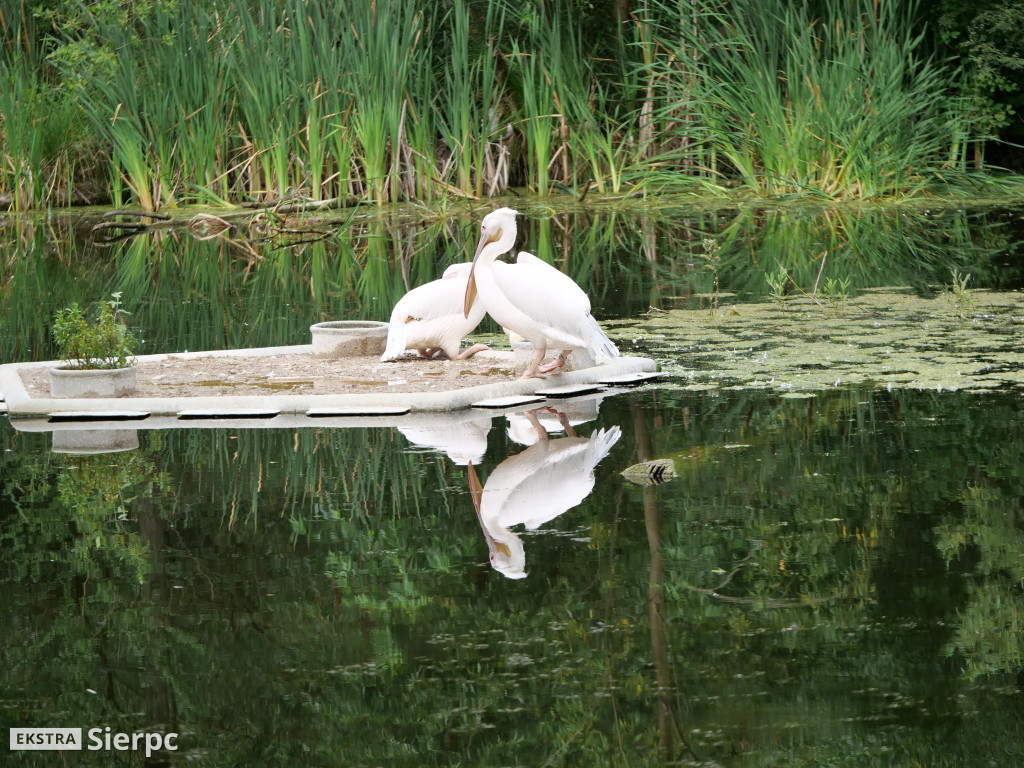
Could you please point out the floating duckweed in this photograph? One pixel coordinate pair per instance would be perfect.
(889, 338)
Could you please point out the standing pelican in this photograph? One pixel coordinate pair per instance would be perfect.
(534, 487)
(531, 298)
(431, 318)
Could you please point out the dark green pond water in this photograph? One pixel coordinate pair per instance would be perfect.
(830, 580)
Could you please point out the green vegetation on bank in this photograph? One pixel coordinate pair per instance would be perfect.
(161, 103)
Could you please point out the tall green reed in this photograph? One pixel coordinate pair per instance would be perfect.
(199, 106)
(163, 108)
(396, 100)
(269, 106)
(798, 105)
(382, 53)
(537, 116)
(21, 153)
(43, 147)
(597, 128)
(313, 99)
(468, 103)
(453, 104)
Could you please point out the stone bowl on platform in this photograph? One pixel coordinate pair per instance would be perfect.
(349, 338)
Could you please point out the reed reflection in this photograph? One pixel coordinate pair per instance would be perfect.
(531, 488)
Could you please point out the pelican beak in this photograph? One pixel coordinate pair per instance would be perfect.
(470, 293)
(477, 491)
(471, 282)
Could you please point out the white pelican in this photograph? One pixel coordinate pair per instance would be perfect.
(533, 487)
(531, 298)
(431, 318)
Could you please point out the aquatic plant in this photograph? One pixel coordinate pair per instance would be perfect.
(712, 257)
(393, 101)
(537, 116)
(381, 58)
(837, 291)
(22, 156)
(44, 148)
(271, 108)
(468, 109)
(958, 296)
(779, 283)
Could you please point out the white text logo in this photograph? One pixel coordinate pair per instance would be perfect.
(97, 739)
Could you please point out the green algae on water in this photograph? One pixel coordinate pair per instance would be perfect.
(886, 337)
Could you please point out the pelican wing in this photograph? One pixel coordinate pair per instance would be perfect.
(432, 300)
(545, 480)
(541, 296)
(557, 276)
(588, 328)
(464, 441)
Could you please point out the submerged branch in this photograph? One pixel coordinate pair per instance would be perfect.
(206, 226)
(297, 205)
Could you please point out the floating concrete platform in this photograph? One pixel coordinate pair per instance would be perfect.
(280, 410)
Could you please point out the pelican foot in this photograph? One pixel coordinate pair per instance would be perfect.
(531, 371)
(466, 353)
(558, 362)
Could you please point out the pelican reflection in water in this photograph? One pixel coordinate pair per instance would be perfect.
(551, 476)
(522, 426)
(463, 440)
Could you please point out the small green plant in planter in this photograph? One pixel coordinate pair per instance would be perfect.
(97, 359)
(107, 343)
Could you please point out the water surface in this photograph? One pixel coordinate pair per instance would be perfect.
(831, 579)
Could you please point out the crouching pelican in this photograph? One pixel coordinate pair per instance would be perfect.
(434, 317)
(531, 298)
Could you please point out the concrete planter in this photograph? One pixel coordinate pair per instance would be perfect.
(349, 338)
(110, 382)
(523, 355)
